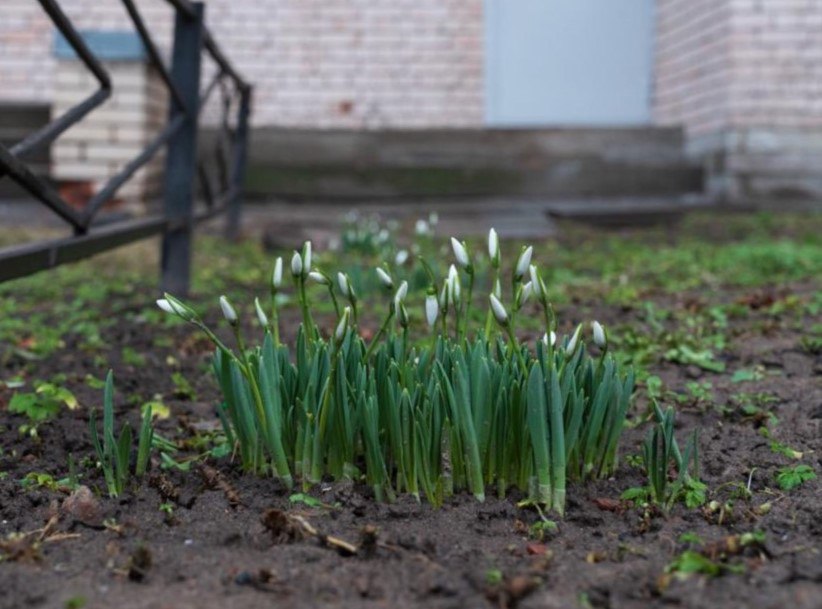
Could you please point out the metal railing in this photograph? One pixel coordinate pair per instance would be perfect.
(220, 188)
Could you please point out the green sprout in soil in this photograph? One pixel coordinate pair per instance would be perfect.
(43, 404)
(660, 452)
(462, 408)
(114, 453)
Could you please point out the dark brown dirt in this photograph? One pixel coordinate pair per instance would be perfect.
(216, 551)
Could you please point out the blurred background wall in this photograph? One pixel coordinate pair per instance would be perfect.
(742, 79)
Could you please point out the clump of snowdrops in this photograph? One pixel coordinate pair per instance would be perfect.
(464, 408)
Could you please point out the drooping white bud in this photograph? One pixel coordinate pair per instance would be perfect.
(297, 265)
(165, 305)
(401, 257)
(261, 316)
(600, 338)
(399, 297)
(307, 257)
(460, 253)
(432, 310)
(572, 344)
(342, 325)
(523, 262)
(228, 311)
(342, 283)
(318, 277)
(421, 227)
(498, 309)
(493, 248)
(178, 308)
(277, 275)
(385, 278)
(454, 285)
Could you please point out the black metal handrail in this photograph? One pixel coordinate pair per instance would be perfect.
(179, 135)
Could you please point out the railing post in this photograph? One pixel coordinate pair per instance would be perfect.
(232, 226)
(181, 157)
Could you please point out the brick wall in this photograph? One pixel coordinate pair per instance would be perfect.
(316, 63)
(745, 79)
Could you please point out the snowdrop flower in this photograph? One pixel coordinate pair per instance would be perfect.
(600, 338)
(572, 344)
(399, 297)
(297, 265)
(385, 278)
(523, 262)
(277, 275)
(261, 316)
(493, 248)
(318, 277)
(401, 257)
(342, 325)
(549, 339)
(498, 309)
(422, 228)
(306, 257)
(165, 305)
(342, 282)
(461, 254)
(432, 309)
(169, 304)
(228, 311)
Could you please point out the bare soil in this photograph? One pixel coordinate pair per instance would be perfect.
(237, 541)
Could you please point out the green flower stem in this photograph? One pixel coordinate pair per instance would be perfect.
(334, 299)
(275, 319)
(468, 303)
(371, 347)
(513, 344)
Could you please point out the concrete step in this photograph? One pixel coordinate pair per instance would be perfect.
(584, 162)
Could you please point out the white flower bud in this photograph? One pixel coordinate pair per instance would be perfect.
(401, 257)
(342, 325)
(342, 283)
(493, 248)
(318, 277)
(399, 297)
(454, 285)
(277, 275)
(432, 310)
(572, 344)
(261, 316)
(297, 265)
(172, 305)
(421, 227)
(385, 278)
(228, 311)
(499, 310)
(549, 338)
(460, 253)
(600, 338)
(307, 257)
(165, 305)
(523, 262)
